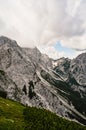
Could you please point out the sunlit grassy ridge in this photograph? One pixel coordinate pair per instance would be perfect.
(14, 116)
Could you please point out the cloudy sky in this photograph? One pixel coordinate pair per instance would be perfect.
(56, 27)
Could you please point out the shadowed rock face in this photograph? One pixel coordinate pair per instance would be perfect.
(31, 90)
(3, 94)
(57, 92)
(75, 78)
(24, 89)
(78, 69)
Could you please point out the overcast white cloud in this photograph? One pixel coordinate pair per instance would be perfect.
(43, 22)
(53, 53)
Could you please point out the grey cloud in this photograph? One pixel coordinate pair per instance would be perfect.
(2, 24)
(34, 22)
(79, 49)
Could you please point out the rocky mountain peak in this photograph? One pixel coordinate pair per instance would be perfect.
(26, 75)
(80, 58)
(5, 40)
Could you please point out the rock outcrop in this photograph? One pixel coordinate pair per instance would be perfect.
(27, 76)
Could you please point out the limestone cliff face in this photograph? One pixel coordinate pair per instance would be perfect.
(27, 76)
(73, 72)
(78, 68)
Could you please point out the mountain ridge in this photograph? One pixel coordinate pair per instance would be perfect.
(31, 80)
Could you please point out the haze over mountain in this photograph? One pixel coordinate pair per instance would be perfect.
(33, 79)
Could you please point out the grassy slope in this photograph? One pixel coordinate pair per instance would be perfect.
(11, 115)
(14, 116)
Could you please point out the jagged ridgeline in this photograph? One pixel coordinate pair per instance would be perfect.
(33, 79)
(14, 116)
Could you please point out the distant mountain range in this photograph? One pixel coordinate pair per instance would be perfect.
(33, 79)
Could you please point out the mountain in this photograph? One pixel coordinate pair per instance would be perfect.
(73, 73)
(28, 77)
(14, 116)
(78, 69)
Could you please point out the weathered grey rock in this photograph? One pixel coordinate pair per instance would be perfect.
(21, 66)
(78, 68)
